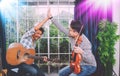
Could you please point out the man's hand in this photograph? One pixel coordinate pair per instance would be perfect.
(45, 59)
(78, 50)
(23, 58)
(49, 13)
(40, 24)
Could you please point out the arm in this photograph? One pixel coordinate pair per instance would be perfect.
(39, 25)
(60, 27)
(32, 31)
(88, 56)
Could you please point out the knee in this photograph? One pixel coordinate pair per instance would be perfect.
(33, 73)
(61, 73)
(94, 69)
(41, 74)
(65, 71)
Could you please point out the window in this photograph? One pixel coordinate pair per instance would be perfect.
(53, 43)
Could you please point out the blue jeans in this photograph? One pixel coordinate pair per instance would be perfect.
(87, 70)
(30, 70)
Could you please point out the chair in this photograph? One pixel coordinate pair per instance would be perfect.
(3, 72)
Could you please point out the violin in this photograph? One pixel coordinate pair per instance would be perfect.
(76, 58)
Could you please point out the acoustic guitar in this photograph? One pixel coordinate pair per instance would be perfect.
(17, 54)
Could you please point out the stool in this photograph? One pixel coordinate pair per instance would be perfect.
(3, 72)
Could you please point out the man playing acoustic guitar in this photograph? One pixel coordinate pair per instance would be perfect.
(28, 41)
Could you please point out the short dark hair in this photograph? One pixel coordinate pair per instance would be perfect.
(42, 30)
(76, 25)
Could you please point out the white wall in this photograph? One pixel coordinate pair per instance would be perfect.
(116, 19)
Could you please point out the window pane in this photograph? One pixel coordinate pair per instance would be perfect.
(64, 58)
(22, 12)
(53, 45)
(53, 31)
(64, 45)
(63, 22)
(43, 46)
(31, 23)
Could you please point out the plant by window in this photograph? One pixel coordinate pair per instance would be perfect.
(107, 38)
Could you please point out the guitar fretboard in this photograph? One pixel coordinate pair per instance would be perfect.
(42, 57)
(35, 57)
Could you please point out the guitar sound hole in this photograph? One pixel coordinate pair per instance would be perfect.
(26, 55)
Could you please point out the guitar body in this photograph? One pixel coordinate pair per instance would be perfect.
(17, 54)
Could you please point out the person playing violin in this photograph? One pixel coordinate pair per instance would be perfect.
(88, 63)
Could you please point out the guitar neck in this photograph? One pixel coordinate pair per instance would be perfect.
(36, 57)
(42, 57)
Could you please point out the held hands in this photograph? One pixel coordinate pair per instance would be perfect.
(40, 24)
(78, 50)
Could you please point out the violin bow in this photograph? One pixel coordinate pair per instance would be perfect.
(79, 34)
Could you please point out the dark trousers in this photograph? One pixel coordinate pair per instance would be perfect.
(29, 70)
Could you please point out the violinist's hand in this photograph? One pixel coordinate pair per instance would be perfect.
(78, 50)
(45, 59)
